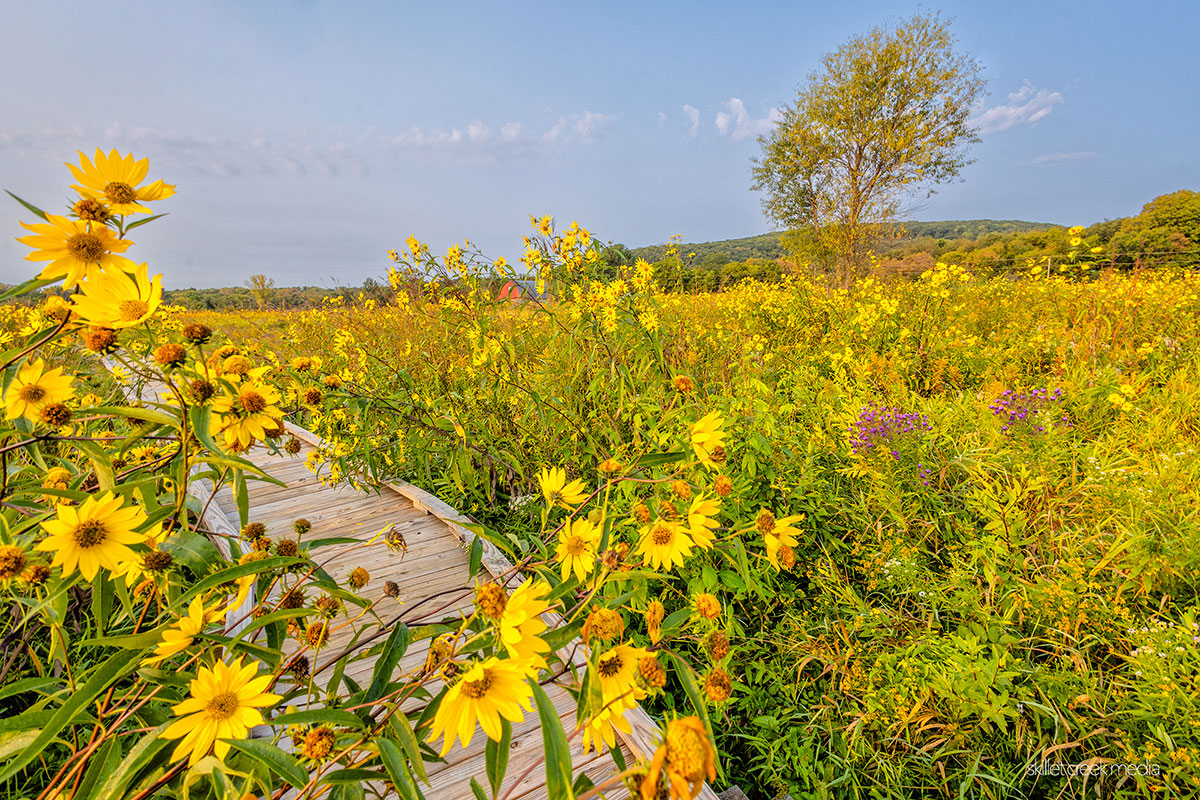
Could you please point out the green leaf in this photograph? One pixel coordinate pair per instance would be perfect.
(147, 414)
(658, 459)
(554, 744)
(348, 791)
(242, 496)
(237, 571)
(192, 550)
(496, 756)
(282, 764)
(28, 685)
(319, 716)
(138, 758)
(684, 672)
(348, 776)
(477, 790)
(393, 762)
(104, 675)
(102, 763)
(476, 559)
(408, 739)
(28, 205)
(30, 285)
(393, 650)
(141, 222)
(105, 476)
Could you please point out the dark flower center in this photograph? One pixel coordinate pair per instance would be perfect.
(90, 533)
(132, 310)
(479, 688)
(31, 393)
(119, 193)
(222, 706)
(86, 247)
(253, 402)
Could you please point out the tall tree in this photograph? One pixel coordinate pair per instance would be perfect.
(261, 287)
(885, 117)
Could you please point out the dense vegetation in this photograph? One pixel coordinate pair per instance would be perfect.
(992, 484)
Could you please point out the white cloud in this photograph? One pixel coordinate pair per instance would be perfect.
(662, 118)
(693, 114)
(1025, 106)
(478, 132)
(1061, 158)
(556, 131)
(332, 151)
(510, 132)
(580, 127)
(737, 123)
(592, 124)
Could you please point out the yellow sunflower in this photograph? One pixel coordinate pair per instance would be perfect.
(577, 545)
(708, 439)
(618, 672)
(604, 725)
(35, 387)
(224, 704)
(557, 491)
(74, 249)
(521, 624)
(664, 544)
(96, 533)
(681, 762)
(115, 299)
(114, 180)
(700, 520)
(777, 533)
(180, 636)
(247, 416)
(487, 691)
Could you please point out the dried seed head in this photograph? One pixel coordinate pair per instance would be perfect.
(358, 578)
(170, 354)
(491, 600)
(196, 333)
(100, 340)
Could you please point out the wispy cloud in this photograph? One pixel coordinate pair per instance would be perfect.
(693, 114)
(1060, 158)
(1025, 106)
(579, 127)
(736, 123)
(331, 152)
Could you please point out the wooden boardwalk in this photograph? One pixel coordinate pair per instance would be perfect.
(436, 564)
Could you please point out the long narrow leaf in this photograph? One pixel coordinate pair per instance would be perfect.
(554, 744)
(104, 675)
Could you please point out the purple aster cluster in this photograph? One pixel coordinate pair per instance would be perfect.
(885, 428)
(1030, 411)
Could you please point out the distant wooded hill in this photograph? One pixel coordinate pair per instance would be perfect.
(769, 245)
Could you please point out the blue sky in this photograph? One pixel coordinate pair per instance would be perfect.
(307, 138)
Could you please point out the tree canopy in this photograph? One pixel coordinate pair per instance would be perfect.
(884, 117)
